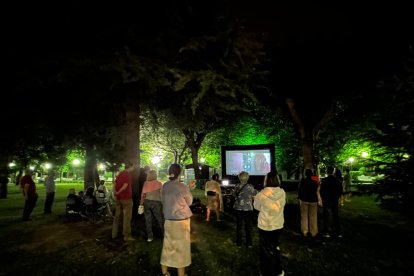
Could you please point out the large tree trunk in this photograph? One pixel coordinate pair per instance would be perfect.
(132, 143)
(308, 132)
(90, 172)
(194, 141)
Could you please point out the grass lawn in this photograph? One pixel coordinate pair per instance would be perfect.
(375, 242)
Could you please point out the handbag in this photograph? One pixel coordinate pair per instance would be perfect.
(211, 193)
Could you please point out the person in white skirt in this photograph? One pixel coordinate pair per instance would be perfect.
(176, 201)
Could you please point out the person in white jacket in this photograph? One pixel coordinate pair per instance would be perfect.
(270, 203)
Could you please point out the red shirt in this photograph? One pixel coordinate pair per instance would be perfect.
(27, 179)
(123, 177)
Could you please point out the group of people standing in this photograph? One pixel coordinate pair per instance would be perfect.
(270, 203)
(327, 193)
(168, 204)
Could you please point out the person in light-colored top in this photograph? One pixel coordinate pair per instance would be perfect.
(270, 203)
(212, 191)
(176, 201)
(151, 201)
(50, 188)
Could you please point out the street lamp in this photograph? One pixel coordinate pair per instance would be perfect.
(48, 166)
(364, 154)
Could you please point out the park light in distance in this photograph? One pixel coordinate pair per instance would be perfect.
(76, 162)
(351, 160)
(11, 165)
(155, 160)
(101, 166)
(364, 154)
(48, 166)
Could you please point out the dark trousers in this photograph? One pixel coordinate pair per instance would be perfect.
(244, 218)
(270, 263)
(331, 217)
(153, 209)
(135, 204)
(29, 205)
(50, 197)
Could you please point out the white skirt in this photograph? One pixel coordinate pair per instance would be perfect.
(176, 248)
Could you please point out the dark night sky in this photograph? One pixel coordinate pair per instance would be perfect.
(308, 45)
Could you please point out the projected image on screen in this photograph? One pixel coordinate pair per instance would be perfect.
(255, 162)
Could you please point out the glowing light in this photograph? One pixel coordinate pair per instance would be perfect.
(76, 162)
(101, 167)
(202, 160)
(11, 165)
(351, 159)
(364, 154)
(155, 160)
(225, 182)
(48, 165)
(32, 168)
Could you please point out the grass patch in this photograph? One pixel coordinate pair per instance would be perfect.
(376, 242)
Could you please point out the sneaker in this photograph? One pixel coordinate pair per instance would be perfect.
(326, 235)
(150, 239)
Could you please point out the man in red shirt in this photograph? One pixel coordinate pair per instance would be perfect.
(123, 193)
(28, 188)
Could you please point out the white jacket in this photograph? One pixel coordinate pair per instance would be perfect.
(270, 202)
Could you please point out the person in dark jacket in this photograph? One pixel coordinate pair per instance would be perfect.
(309, 196)
(331, 191)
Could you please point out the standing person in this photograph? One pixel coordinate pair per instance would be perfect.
(308, 195)
(270, 203)
(4, 180)
(212, 191)
(176, 201)
(338, 175)
(331, 190)
(28, 188)
(151, 200)
(347, 186)
(123, 194)
(243, 208)
(139, 176)
(50, 188)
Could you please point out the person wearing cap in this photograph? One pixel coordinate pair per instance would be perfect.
(176, 201)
